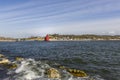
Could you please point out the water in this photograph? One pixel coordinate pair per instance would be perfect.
(99, 59)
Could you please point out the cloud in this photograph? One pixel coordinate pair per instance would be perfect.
(52, 9)
(98, 26)
(60, 16)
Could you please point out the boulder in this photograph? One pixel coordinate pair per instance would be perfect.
(77, 73)
(19, 58)
(53, 73)
(74, 72)
(4, 61)
(62, 67)
(11, 66)
(2, 56)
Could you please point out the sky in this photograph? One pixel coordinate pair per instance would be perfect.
(25, 18)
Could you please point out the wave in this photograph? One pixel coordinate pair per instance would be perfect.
(30, 69)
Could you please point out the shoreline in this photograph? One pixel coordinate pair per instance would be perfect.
(53, 40)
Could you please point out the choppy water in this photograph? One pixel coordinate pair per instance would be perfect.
(99, 59)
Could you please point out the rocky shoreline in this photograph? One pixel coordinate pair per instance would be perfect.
(51, 72)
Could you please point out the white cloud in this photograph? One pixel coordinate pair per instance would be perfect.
(98, 26)
(72, 17)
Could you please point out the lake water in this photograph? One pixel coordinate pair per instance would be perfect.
(99, 59)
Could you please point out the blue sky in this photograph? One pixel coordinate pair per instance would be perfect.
(24, 18)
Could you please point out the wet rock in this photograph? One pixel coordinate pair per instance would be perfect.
(11, 66)
(2, 56)
(19, 58)
(53, 73)
(74, 72)
(4, 61)
(77, 73)
(62, 67)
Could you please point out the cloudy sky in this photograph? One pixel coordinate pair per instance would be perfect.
(24, 18)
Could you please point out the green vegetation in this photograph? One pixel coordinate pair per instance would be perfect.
(84, 37)
(7, 39)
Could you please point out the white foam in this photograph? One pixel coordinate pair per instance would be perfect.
(29, 69)
(31, 75)
(22, 67)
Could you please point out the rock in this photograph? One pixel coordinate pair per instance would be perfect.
(11, 66)
(62, 67)
(19, 58)
(74, 72)
(77, 73)
(4, 61)
(53, 73)
(2, 56)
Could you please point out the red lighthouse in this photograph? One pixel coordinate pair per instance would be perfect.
(47, 38)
